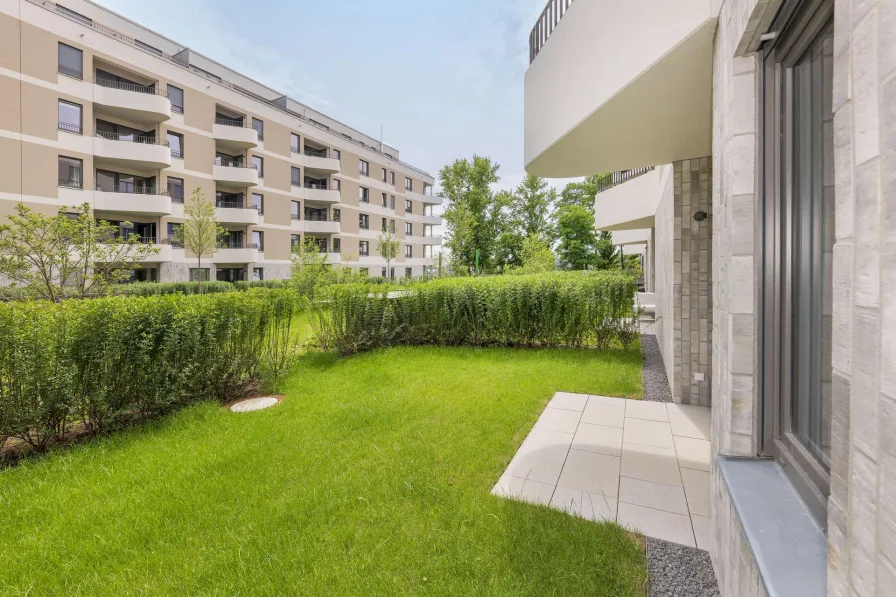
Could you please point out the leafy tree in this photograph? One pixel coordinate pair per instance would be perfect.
(388, 246)
(68, 254)
(531, 207)
(607, 256)
(536, 257)
(580, 193)
(200, 232)
(577, 236)
(472, 216)
(309, 267)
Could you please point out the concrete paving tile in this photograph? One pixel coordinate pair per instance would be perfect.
(536, 470)
(692, 453)
(592, 506)
(558, 419)
(542, 444)
(642, 409)
(568, 401)
(657, 523)
(606, 401)
(696, 487)
(650, 463)
(702, 532)
(648, 433)
(602, 414)
(523, 490)
(598, 473)
(598, 438)
(668, 498)
(696, 425)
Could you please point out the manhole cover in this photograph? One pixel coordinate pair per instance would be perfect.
(253, 404)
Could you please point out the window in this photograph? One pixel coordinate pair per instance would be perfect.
(176, 143)
(364, 221)
(408, 206)
(295, 210)
(258, 125)
(392, 178)
(335, 154)
(294, 143)
(258, 164)
(408, 229)
(408, 184)
(70, 173)
(385, 224)
(797, 246)
(337, 215)
(385, 201)
(176, 189)
(73, 15)
(198, 274)
(408, 251)
(392, 272)
(364, 248)
(384, 175)
(391, 201)
(176, 95)
(336, 184)
(70, 61)
(364, 195)
(392, 226)
(364, 168)
(70, 117)
(295, 240)
(258, 239)
(258, 202)
(295, 176)
(337, 245)
(384, 273)
(407, 272)
(258, 273)
(173, 231)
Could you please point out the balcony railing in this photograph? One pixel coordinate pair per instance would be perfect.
(364, 253)
(69, 127)
(70, 72)
(231, 122)
(234, 164)
(173, 242)
(608, 181)
(177, 199)
(72, 183)
(233, 204)
(132, 189)
(237, 244)
(147, 89)
(132, 138)
(314, 185)
(545, 25)
(316, 153)
(318, 218)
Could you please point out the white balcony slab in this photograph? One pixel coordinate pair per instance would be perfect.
(322, 195)
(131, 105)
(643, 93)
(235, 176)
(317, 227)
(630, 206)
(235, 137)
(424, 240)
(143, 156)
(132, 203)
(236, 256)
(321, 164)
(236, 215)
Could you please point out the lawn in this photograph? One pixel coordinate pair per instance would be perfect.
(371, 478)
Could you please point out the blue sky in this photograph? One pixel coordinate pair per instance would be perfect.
(443, 78)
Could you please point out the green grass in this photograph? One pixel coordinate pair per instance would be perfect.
(371, 478)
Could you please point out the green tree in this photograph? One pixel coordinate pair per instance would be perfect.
(309, 267)
(200, 232)
(536, 257)
(580, 193)
(388, 246)
(531, 207)
(68, 254)
(607, 256)
(472, 217)
(577, 236)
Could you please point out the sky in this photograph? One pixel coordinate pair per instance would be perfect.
(444, 79)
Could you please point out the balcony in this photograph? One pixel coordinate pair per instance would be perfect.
(235, 173)
(628, 200)
(234, 134)
(643, 93)
(145, 153)
(164, 255)
(320, 160)
(128, 101)
(236, 212)
(236, 252)
(321, 194)
(130, 200)
(334, 258)
(427, 198)
(321, 225)
(424, 240)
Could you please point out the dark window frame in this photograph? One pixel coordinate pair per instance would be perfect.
(295, 176)
(259, 166)
(80, 181)
(258, 125)
(297, 148)
(179, 154)
(64, 126)
(363, 167)
(68, 71)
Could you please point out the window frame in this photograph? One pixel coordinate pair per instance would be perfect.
(259, 166)
(797, 26)
(80, 168)
(260, 128)
(408, 229)
(363, 222)
(364, 248)
(409, 251)
(363, 167)
(297, 148)
(363, 194)
(80, 130)
(174, 106)
(175, 154)
(59, 65)
(295, 181)
(408, 184)
(260, 206)
(175, 198)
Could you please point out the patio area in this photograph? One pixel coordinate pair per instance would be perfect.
(642, 464)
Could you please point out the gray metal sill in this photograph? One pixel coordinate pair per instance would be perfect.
(789, 547)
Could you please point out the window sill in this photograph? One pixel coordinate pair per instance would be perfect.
(789, 547)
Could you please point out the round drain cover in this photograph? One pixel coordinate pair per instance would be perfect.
(253, 404)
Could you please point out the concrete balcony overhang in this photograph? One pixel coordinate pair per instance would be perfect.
(631, 237)
(234, 137)
(131, 105)
(322, 227)
(237, 215)
(434, 220)
(132, 203)
(145, 156)
(235, 176)
(245, 255)
(427, 199)
(328, 165)
(165, 254)
(424, 240)
(621, 85)
(321, 195)
(630, 205)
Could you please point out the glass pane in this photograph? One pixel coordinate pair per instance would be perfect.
(813, 242)
(69, 117)
(176, 95)
(70, 61)
(70, 172)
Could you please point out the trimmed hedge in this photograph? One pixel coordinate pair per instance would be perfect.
(88, 365)
(571, 309)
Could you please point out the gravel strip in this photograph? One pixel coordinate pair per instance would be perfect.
(678, 571)
(656, 384)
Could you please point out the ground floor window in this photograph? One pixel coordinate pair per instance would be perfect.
(198, 275)
(258, 273)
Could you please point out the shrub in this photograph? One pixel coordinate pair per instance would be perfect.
(95, 363)
(572, 309)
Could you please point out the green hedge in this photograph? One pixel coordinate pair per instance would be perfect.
(90, 364)
(572, 309)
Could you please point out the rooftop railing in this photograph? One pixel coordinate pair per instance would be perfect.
(608, 181)
(136, 88)
(545, 25)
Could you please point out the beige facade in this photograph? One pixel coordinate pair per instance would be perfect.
(97, 98)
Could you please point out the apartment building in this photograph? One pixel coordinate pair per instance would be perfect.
(752, 146)
(133, 123)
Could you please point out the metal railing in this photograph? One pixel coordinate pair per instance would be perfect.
(177, 153)
(177, 198)
(68, 127)
(132, 138)
(364, 253)
(72, 183)
(130, 188)
(70, 72)
(296, 217)
(318, 218)
(234, 164)
(608, 181)
(545, 25)
(177, 109)
(314, 185)
(147, 89)
(173, 242)
(239, 123)
(233, 204)
(316, 153)
(237, 244)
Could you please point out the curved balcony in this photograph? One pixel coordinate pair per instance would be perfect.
(320, 160)
(146, 153)
(321, 194)
(234, 134)
(322, 226)
(229, 212)
(133, 201)
(424, 240)
(235, 174)
(237, 253)
(424, 198)
(135, 103)
(432, 220)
